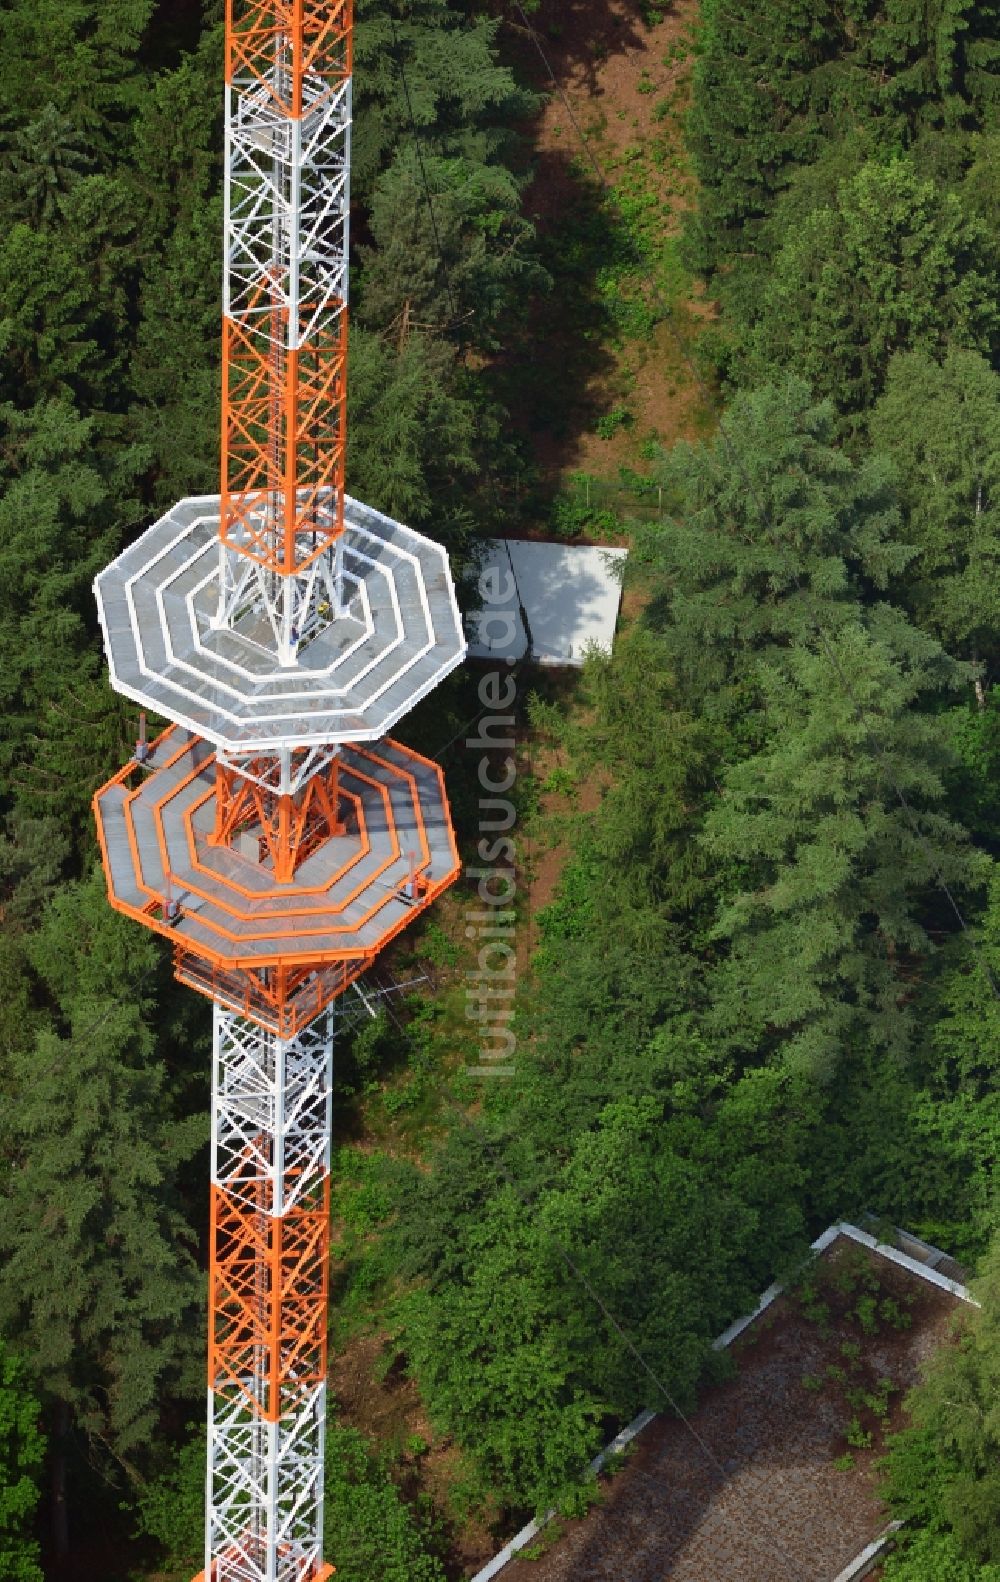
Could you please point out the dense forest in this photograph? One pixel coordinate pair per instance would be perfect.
(764, 994)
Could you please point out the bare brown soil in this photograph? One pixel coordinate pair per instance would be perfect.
(554, 836)
(619, 88)
(387, 1407)
(750, 1492)
(600, 57)
(547, 857)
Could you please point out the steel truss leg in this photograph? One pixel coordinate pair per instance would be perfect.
(284, 358)
(271, 1107)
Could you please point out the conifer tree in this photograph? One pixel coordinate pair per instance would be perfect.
(460, 269)
(778, 88)
(940, 424)
(752, 120)
(414, 431)
(830, 838)
(929, 62)
(176, 173)
(894, 265)
(61, 722)
(97, 1277)
(80, 56)
(464, 101)
(45, 160)
(774, 531)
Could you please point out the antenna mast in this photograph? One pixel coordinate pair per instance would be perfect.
(275, 832)
(284, 343)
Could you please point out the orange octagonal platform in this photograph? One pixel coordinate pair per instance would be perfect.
(278, 951)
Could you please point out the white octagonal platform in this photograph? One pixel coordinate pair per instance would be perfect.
(401, 634)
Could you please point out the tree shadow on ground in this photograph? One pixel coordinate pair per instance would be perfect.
(577, 36)
(103, 1544)
(551, 375)
(554, 376)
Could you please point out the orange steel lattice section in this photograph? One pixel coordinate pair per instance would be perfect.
(276, 952)
(278, 42)
(268, 1291)
(282, 859)
(284, 419)
(284, 1000)
(291, 827)
(284, 347)
(317, 1574)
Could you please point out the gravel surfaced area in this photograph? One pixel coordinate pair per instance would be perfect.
(766, 1502)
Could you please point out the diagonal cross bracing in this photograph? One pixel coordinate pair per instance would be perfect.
(271, 1111)
(270, 1224)
(287, 202)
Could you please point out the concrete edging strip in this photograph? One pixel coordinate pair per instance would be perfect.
(862, 1563)
(524, 1537)
(903, 1259)
(913, 1265)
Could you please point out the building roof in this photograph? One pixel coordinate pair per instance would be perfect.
(567, 595)
(768, 1502)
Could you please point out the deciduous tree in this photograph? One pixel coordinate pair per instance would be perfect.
(21, 1450)
(942, 1473)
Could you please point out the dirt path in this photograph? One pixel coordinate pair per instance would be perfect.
(611, 380)
(386, 1405)
(626, 88)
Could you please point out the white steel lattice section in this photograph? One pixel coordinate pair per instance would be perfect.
(287, 204)
(284, 772)
(265, 1484)
(286, 210)
(271, 1110)
(296, 607)
(285, 626)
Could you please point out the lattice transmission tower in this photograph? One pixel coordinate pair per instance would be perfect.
(274, 831)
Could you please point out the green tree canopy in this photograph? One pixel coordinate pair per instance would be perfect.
(459, 268)
(511, 1352)
(80, 56)
(894, 265)
(775, 531)
(940, 424)
(779, 89)
(97, 1278)
(943, 1474)
(413, 423)
(21, 1450)
(46, 158)
(464, 101)
(368, 1529)
(752, 120)
(822, 868)
(61, 720)
(176, 175)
